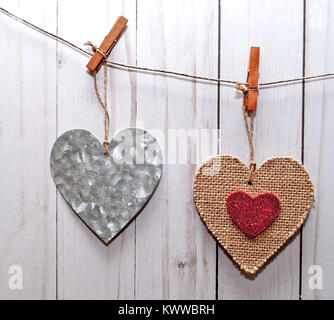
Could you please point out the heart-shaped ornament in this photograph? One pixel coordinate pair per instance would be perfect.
(106, 191)
(252, 221)
(252, 215)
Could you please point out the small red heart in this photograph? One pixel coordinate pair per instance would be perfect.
(252, 215)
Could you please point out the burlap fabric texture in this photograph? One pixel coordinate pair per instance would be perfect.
(285, 177)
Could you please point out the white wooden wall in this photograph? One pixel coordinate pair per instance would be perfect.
(167, 252)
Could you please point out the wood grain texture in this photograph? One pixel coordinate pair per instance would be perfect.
(319, 155)
(277, 123)
(175, 255)
(27, 132)
(167, 252)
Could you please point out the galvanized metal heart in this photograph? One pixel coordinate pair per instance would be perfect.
(106, 191)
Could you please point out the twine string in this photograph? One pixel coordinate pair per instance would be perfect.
(104, 105)
(154, 70)
(249, 130)
(250, 134)
(104, 102)
(95, 49)
(105, 108)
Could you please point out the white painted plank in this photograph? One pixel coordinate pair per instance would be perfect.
(175, 255)
(27, 132)
(277, 27)
(172, 255)
(86, 268)
(319, 133)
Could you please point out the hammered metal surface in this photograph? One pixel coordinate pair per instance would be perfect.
(106, 191)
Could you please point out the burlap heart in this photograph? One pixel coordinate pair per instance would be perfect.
(285, 177)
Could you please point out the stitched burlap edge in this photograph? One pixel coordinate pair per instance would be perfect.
(283, 176)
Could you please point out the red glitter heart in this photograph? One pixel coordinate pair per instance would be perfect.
(252, 215)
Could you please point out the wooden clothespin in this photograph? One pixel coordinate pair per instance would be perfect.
(107, 44)
(253, 79)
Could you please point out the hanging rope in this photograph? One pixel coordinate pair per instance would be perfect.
(249, 130)
(104, 103)
(161, 71)
(105, 108)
